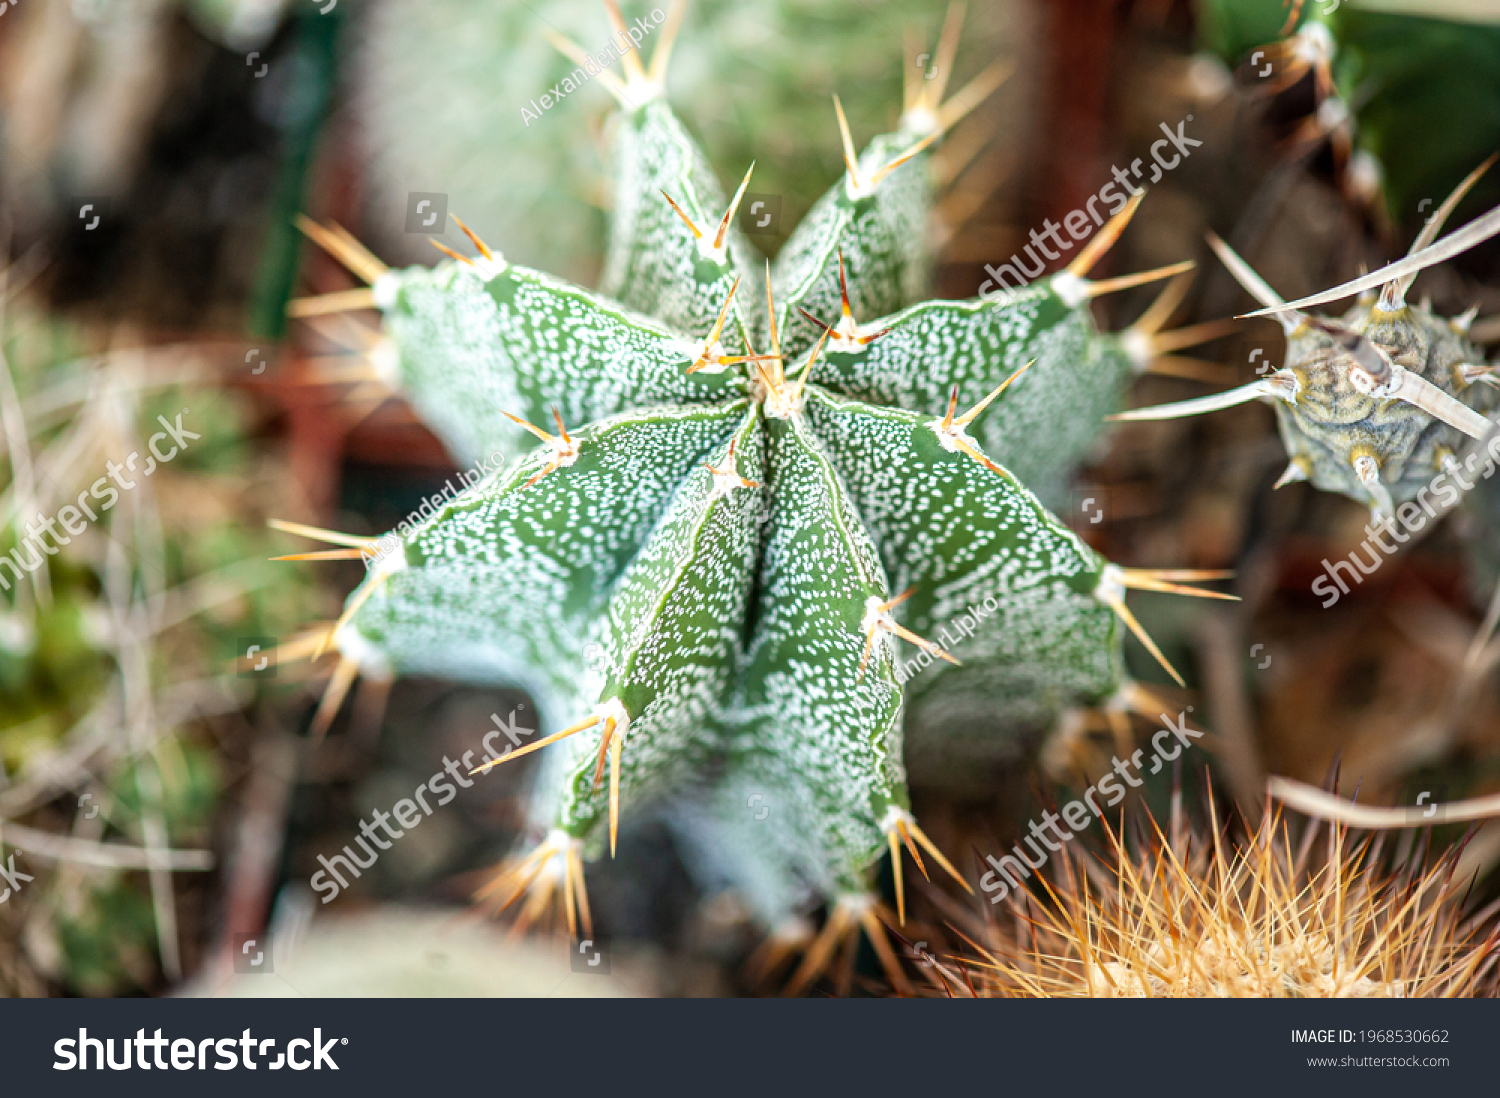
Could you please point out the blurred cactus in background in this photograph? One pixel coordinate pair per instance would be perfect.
(443, 85)
(1409, 99)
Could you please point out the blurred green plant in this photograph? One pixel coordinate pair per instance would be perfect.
(1416, 93)
(442, 85)
(115, 650)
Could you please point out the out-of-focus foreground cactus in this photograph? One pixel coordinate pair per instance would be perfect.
(1257, 917)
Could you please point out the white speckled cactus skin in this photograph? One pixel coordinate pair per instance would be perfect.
(721, 566)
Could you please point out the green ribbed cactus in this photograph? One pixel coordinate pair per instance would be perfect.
(750, 512)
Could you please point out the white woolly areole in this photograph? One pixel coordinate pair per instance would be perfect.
(949, 437)
(725, 482)
(856, 903)
(1070, 289)
(880, 623)
(614, 710)
(1111, 587)
(707, 353)
(863, 190)
(1209, 78)
(385, 289)
(791, 930)
(1120, 700)
(489, 269)
(638, 91)
(1137, 345)
(559, 839)
(876, 616)
(388, 565)
(564, 451)
(1365, 173)
(895, 814)
(372, 662)
(1332, 113)
(1313, 43)
(707, 250)
(555, 864)
(1069, 727)
(919, 121)
(18, 633)
(385, 566)
(385, 361)
(846, 335)
(1071, 723)
(784, 402)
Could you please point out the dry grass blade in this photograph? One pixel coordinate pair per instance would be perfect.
(1322, 805)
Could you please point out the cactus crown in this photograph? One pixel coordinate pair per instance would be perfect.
(728, 559)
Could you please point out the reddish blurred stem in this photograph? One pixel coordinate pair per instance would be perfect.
(1078, 36)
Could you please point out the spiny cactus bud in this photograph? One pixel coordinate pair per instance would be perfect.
(1378, 404)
